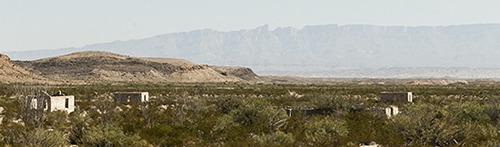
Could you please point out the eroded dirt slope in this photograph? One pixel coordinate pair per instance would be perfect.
(95, 66)
(10, 73)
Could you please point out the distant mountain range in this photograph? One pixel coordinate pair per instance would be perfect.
(314, 49)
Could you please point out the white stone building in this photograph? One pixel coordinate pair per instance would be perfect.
(391, 111)
(126, 97)
(396, 97)
(56, 102)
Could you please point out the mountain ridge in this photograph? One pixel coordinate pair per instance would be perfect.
(318, 48)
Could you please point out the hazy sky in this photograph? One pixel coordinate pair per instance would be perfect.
(47, 24)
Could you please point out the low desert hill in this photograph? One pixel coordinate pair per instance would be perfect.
(10, 73)
(93, 66)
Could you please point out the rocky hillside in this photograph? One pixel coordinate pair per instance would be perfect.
(90, 67)
(10, 73)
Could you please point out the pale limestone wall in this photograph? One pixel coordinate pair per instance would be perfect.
(39, 102)
(373, 145)
(124, 97)
(65, 103)
(1, 115)
(34, 103)
(54, 103)
(396, 97)
(145, 96)
(391, 111)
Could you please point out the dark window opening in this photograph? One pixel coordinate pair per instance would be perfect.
(66, 103)
(44, 103)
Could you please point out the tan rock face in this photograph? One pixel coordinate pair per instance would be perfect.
(4, 57)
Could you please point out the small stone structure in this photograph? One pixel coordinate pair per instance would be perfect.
(391, 111)
(1, 115)
(396, 97)
(125, 97)
(55, 102)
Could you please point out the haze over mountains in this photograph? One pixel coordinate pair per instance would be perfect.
(318, 50)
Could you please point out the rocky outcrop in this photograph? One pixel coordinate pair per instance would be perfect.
(4, 57)
(240, 72)
(11, 73)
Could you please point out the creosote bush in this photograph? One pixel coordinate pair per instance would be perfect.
(255, 115)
